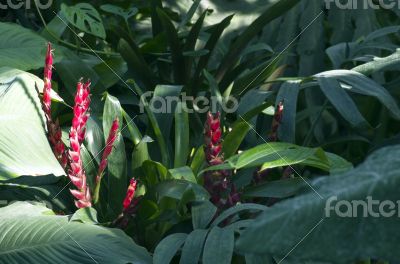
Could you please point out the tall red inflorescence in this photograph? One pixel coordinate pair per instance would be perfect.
(218, 183)
(76, 172)
(112, 136)
(53, 128)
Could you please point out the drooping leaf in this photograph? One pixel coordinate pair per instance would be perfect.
(24, 147)
(219, 246)
(40, 238)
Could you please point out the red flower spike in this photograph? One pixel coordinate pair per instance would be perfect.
(130, 193)
(112, 136)
(218, 184)
(76, 172)
(53, 128)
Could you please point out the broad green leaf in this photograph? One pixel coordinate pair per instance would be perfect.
(116, 10)
(202, 214)
(234, 138)
(176, 188)
(117, 163)
(184, 173)
(24, 147)
(331, 233)
(236, 209)
(181, 135)
(85, 17)
(219, 246)
(55, 196)
(168, 247)
(358, 83)
(341, 101)
(37, 238)
(71, 68)
(276, 189)
(22, 48)
(85, 215)
(193, 247)
(277, 154)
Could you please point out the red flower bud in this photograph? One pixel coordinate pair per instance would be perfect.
(130, 193)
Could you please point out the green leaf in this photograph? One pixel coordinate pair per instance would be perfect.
(181, 135)
(86, 215)
(24, 147)
(94, 139)
(188, 16)
(379, 64)
(38, 238)
(288, 93)
(341, 101)
(178, 61)
(202, 214)
(219, 246)
(116, 10)
(236, 209)
(85, 17)
(193, 247)
(22, 49)
(274, 11)
(276, 189)
(117, 163)
(234, 138)
(358, 83)
(155, 125)
(277, 154)
(137, 63)
(184, 173)
(168, 247)
(330, 235)
(176, 189)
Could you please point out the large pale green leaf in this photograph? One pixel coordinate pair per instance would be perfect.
(277, 154)
(24, 148)
(331, 237)
(167, 248)
(21, 48)
(219, 246)
(29, 234)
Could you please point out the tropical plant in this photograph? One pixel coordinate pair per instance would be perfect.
(91, 172)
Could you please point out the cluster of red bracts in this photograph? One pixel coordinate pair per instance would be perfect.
(260, 175)
(130, 205)
(218, 183)
(53, 127)
(71, 160)
(76, 172)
